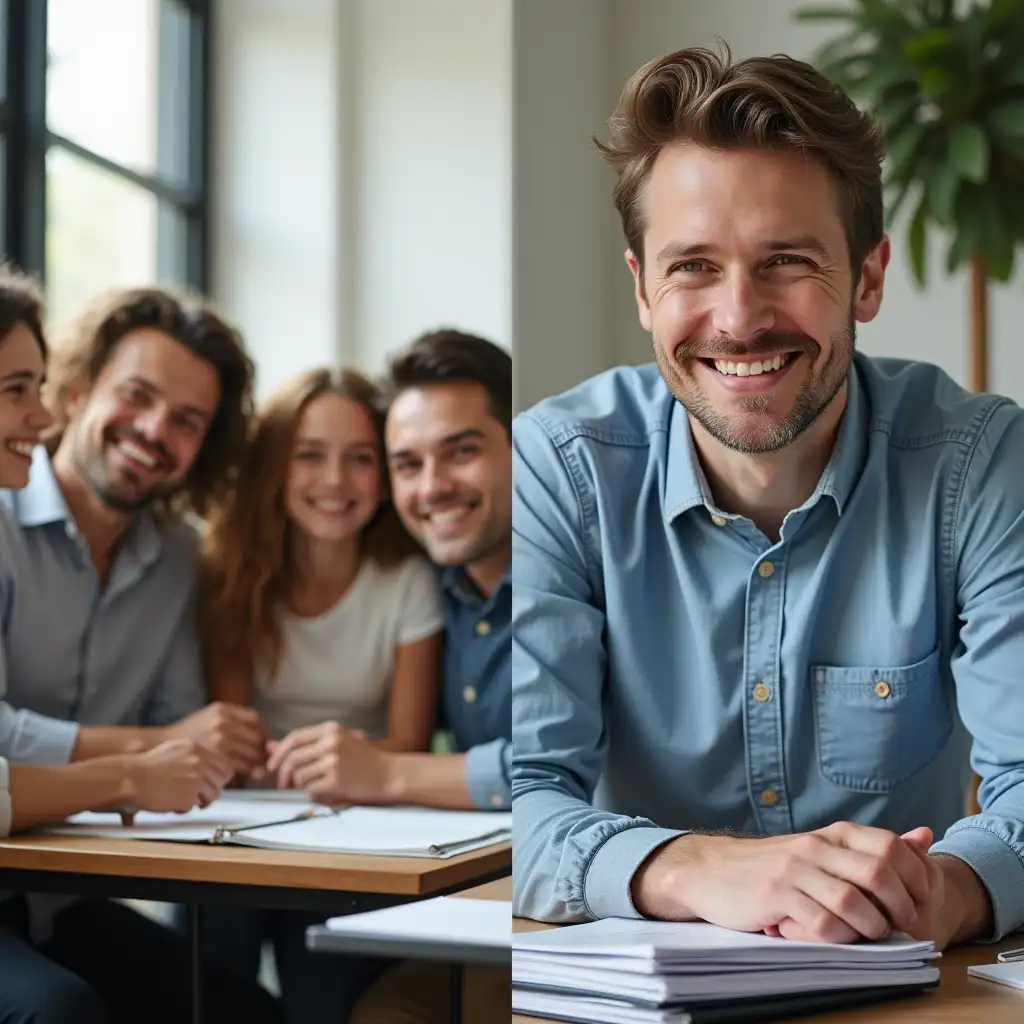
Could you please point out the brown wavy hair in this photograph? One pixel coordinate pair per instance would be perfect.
(247, 550)
(696, 95)
(192, 321)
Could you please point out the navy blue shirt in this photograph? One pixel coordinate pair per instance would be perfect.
(477, 697)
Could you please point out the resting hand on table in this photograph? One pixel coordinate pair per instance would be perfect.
(233, 731)
(174, 776)
(841, 883)
(332, 763)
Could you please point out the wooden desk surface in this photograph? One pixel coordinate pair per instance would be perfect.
(959, 999)
(244, 866)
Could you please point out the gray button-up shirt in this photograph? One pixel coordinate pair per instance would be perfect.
(75, 651)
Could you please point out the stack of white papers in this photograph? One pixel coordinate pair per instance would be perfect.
(660, 972)
(290, 824)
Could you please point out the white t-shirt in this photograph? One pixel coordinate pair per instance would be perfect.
(339, 666)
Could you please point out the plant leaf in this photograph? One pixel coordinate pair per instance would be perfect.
(904, 147)
(966, 237)
(943, 183)
(922, 49)
(1008, 119)
(827, 14)
(997, 237)
(892, 211)
(969, 151)
(917, 239)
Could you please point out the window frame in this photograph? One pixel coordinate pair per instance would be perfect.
(26, 139)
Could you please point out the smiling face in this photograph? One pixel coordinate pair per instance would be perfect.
(334, 483)
(451, 471)
(22, 413)
(747, 290)
(136, 433)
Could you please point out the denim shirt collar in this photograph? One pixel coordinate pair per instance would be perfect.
(686, 486)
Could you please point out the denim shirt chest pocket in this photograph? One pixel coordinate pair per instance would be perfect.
(878, 727)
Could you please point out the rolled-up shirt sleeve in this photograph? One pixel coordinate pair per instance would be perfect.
(488, 767)
(573, 861)
(989, 549)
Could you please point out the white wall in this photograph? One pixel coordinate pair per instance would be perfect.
(931, 325)
(564, 221)
(429, 237)
(276, 159)
(363, 153)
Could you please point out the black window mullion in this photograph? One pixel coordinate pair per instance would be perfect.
(200, 86)
(25, 193)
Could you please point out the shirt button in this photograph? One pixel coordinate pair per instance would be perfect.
(761, 693)
(766, 569)
(496, 800)
(769, 797)
(882, 688)
(719, 520)
(469, 694)
(483, 627)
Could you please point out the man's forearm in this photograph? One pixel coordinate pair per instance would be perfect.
(968, 907)
(46, 794)
(435, 780)
(106, 741)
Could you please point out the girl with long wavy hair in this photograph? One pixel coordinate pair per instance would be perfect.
(319, 610)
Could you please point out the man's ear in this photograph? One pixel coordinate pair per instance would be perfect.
(639, 292)
(71, 398)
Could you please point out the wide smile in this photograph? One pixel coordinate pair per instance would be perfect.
(136, 458)
(451, 521)
(21, 448)
(751, 375)
(331, 508)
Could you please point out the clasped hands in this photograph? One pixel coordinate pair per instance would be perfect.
(841, 883)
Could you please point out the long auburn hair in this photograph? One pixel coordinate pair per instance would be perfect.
(247, 548)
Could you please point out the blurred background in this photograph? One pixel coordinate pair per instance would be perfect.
(343, 174)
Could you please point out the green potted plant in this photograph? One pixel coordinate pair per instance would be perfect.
(945, 81)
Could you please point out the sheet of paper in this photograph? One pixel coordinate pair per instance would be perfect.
(388, 831)
(197, 826)
(444, 919)
(659, 940)
(1011, 974)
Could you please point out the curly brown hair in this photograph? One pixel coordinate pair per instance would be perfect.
(247, 550)
(696, 95)
(192, 321)
(21, 302)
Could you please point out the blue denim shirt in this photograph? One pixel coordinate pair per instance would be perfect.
(477, 692)
(712, 679)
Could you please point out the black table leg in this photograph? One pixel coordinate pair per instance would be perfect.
(194, 912)
(455, 983)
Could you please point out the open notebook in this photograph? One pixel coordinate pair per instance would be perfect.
(290, 824)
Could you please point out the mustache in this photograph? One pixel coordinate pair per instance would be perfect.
(162, 454)
(723, 347)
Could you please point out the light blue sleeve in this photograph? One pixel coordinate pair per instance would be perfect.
(487, 768)
(572, 862)
(989, 549)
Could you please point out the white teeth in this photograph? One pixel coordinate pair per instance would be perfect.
(22, 447)
(752, 369)
(449, 516)
(136, 453)
(332, 506)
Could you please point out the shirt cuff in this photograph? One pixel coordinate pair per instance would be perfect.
(1000, 869)
(606, 885)
(42, 740)
(486, 778)
(5, 799)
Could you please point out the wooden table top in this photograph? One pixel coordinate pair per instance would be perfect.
(959, 999)
(240, 865)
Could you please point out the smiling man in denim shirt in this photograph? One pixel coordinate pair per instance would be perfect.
(767, 593)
